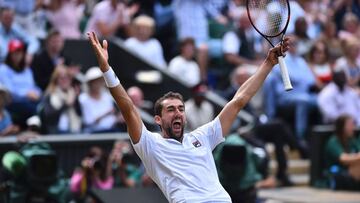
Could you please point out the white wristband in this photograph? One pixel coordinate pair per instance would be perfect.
(110, 78)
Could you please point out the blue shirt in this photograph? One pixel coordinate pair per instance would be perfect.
(18, 83)
(16, 32)
(5, 121)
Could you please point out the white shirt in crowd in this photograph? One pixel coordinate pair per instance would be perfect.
(198, 116)
(93, 109)
(188, 70)
(150, 50)
(334, 103)
(185, 172)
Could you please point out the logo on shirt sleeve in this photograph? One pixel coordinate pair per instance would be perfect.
(196, 143)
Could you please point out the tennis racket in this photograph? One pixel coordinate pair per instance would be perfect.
(276, 16)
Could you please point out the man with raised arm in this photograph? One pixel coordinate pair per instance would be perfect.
(181, 164)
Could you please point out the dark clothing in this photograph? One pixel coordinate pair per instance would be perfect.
(43, 66)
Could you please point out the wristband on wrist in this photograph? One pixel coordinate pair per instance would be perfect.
(110, 78)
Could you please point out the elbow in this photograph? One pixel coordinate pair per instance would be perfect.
(241, 101)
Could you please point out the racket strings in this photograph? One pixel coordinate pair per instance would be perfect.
(268, 16)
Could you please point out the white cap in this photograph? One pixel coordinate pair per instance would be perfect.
(33, 121)
(93, 73)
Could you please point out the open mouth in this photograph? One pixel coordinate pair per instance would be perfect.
(177, 126)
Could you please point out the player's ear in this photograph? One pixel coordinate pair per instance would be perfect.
(157, 119)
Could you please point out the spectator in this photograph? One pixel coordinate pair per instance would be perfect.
(185, 65)
(349, 62)
(6, 125)
(9, 30)
(239, 45)
(319, 62)
(198, 111)
(342, 156)
(191, 21)
(330, 36)
(101, 117)
(339, 98)
(126, 173)
(304, 41)
(144, 107)
(61, 112)
(302, 98)
(46, 60)
(95, 172)
(108, 17)
(65, 16)
(143, 44)
(18, 78)
(30, 15)
(350, 26)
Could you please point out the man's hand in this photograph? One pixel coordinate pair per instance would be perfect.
(100, 51)
(278, 50)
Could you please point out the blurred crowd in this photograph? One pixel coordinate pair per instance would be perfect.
(210, 43)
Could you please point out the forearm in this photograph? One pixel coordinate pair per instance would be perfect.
(252, 85)
(350, 159)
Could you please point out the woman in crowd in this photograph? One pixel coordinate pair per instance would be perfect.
(60, 108)
(318, 60)
(342, 156)
(18, 78)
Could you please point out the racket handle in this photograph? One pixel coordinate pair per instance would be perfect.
(285, 74)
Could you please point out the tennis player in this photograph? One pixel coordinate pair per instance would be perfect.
(181, 164)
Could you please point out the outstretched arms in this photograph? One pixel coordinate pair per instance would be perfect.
(127, 108)
(250, 87)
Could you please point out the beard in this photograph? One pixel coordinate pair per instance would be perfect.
(173, 135)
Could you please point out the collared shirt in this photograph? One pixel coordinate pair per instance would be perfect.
(333, 103)
(16, 32)
(185, 171)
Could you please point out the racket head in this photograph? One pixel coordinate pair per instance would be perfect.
(276, 13)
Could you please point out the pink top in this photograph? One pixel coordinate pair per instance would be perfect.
(77, 177)
(67, 19)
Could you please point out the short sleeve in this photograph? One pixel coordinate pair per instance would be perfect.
(210, 133)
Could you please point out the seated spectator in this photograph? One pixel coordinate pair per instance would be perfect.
(342, 156)
(242, 168)
(94, 172)
(110, 17)
(65, 16)
(9, 30)
(47, 59)
(97, 106)
(185, 65)
(239, 44)
(302, 98)
(350, 27)
(18, 78)
(319, 62)
(330, 36)
(192, 21)
(339, 98)
(6, 125)
(143, 44)
(304, 42)
(60, 108)
(349, 62)
(125, 170)
(198, 111)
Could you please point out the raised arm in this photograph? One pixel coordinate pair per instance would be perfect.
(123, 101)
(250, 87)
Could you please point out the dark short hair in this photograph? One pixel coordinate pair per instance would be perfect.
(51, 33)
(170, 95)
(186, 41)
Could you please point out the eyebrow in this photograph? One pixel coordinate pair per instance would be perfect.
(173, 106)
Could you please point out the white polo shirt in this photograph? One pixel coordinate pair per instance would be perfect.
(185, 172)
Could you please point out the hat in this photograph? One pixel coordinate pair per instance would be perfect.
(15, 45)
(144, 20)
(93, 73)
(33, 121)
